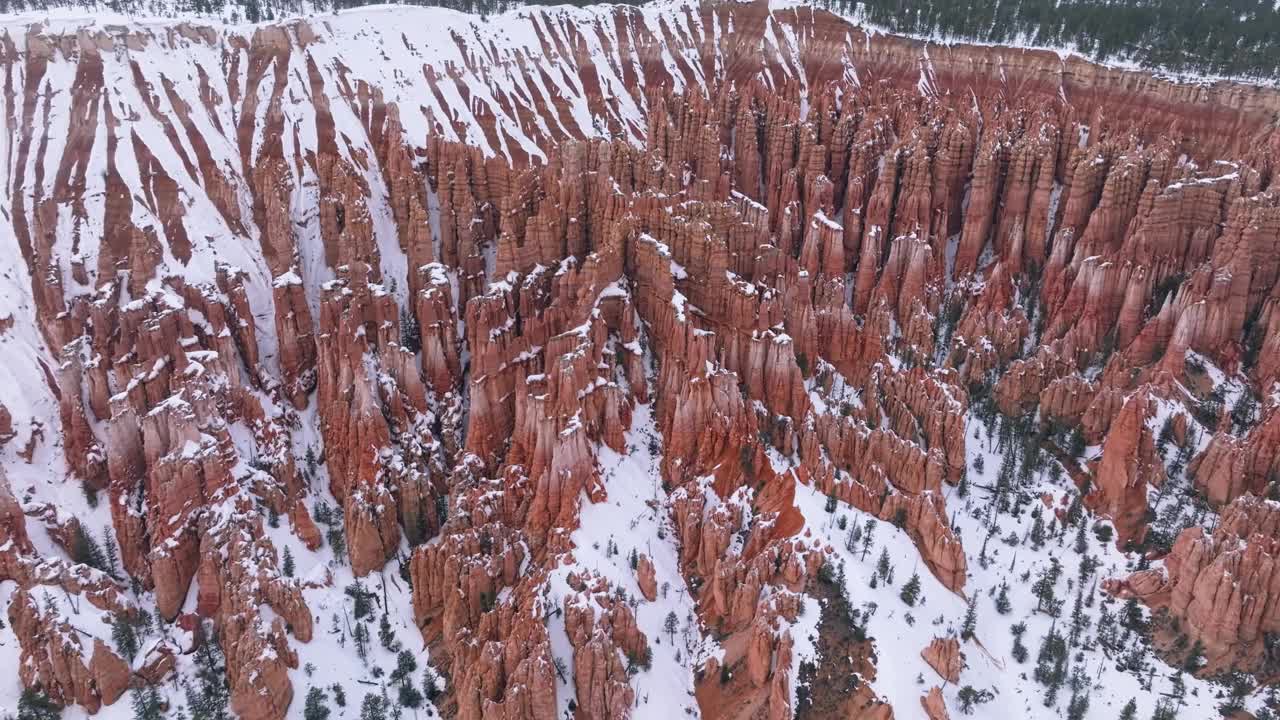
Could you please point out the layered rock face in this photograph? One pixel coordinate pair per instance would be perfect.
(432, 293)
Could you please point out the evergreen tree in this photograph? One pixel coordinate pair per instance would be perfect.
(1130, 711)
(386, 636)
(287, 562)
(882, 565)
(911, 590)
(670, 624)
(868, 533)
(1045, 587)
(362, 600)
(1037, 531)
(970, 619)
(111, 553)
(124, 637)
(1077, 617)
(410, 334)
(1020, 652)
(430, 685)
(1003, 606)
(408, 696)
(1178, 688)
(360, 634)
(208, 696)
(35, 705)
(316, 707)
(373, 708)
(1165, 710)
(1132, 618)
(853, 540)
(1077, 706)
(1051, 664)
(147, 704)
(406, 665)
(969, 696)
(85, 550)
(338, 542)
(1195, 659)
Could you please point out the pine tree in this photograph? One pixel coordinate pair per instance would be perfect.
(1077, 617)
(338, 542)
(85, 550)
(288, 562)
(124, 637)
(853, 539)
(1165, 710)
(1077, 706)
(410, 334)
(386, 636)
(882, 565)
(1051, 664)
(208, 696)
(1018, 629)
(373, 708)
(442, 509)
(35, 705)
(360, 634)
(970, 696)
(1131, 616)
(1003, 606)
(1044, 587)
(339, 695)
(111, 553)
(316, 707)
(911, 590)
(970, 620)
(1020, 652)
(430, 685)
(406, 665)
(1037, 531)
(1178, 688)
(408, 696)
(1130, 711)
(670, 624)
(361, 602)
(1196, 657)
(147, 704)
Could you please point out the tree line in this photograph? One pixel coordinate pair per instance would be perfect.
(1236, 38)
